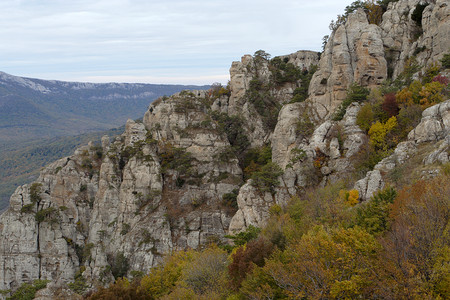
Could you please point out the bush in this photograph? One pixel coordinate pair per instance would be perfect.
(431, 94)
(390, 105)
(446, 61)
(244, 237)
(230, 199)
(79, 285)
(355, 93)
(162, 279)
(48, 214)
(304, 126)
(326, 264)
(35, 192)
(173, 158)
(232, 126)
(267, 179)
(27, 290)
(259, 95)
(119, 265)
(121, 289)
(441, 79)
(373, 216)
(365, 117)
(378, 132)
(245, 258)
(283, 72)
(206, 272)
(254, 159)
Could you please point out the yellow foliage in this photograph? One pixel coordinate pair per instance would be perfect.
(405, 97)
(326, 264)
(410, 94)
(161, 280)
(431, 94)
(390, 124)
(350, 198)
(353, 196)
(378, 131)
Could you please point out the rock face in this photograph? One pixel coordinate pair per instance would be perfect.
(403, 38)
(176, 180)
(353, 53)
(434, 128)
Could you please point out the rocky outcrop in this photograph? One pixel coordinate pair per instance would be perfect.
(353, 53)
(163, 184)
(403, 38)
(433, 129)
(155, 189)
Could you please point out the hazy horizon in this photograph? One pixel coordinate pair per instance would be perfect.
(171, 42)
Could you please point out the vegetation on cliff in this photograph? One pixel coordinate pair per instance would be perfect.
(394, 246)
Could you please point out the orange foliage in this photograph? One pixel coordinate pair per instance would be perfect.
(417, 248)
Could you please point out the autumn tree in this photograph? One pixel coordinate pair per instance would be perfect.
(326, 264)
(416, 254)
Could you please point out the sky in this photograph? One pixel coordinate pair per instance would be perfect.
(161, 42)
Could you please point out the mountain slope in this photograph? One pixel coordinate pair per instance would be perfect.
(204, 164)
(33, 108)
(21, 162)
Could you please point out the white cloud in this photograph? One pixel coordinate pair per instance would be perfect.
(175, 39)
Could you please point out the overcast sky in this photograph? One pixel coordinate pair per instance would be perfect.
(165, 41)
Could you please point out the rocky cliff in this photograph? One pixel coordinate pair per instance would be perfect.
(180, 178)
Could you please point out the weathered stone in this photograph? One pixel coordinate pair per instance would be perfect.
(353, 53)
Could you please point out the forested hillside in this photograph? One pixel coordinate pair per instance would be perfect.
(33, 108)
(20, 162)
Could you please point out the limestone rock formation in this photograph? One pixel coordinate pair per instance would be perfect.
(163, 184)
(403, 38)
(353, 53)
(434, 130)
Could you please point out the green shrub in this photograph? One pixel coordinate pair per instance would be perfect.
(300, 94)
(373, 216)
(125, 228)
(244, 237)
(173, 158)
(365, 117)
(355, 93)
(35, 192)
(297, 155)
(283, 72)
(119, 265)
(304, 126)
(27, 290)
(48, 214)
(267, 179)
(27, 208)
(79, 284)
(446, 61)
(232, 126)
(259, 95)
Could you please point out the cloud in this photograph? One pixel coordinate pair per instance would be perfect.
(94, 39)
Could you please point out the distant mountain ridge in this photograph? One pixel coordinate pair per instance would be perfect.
(34, 108)
(43, 120)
